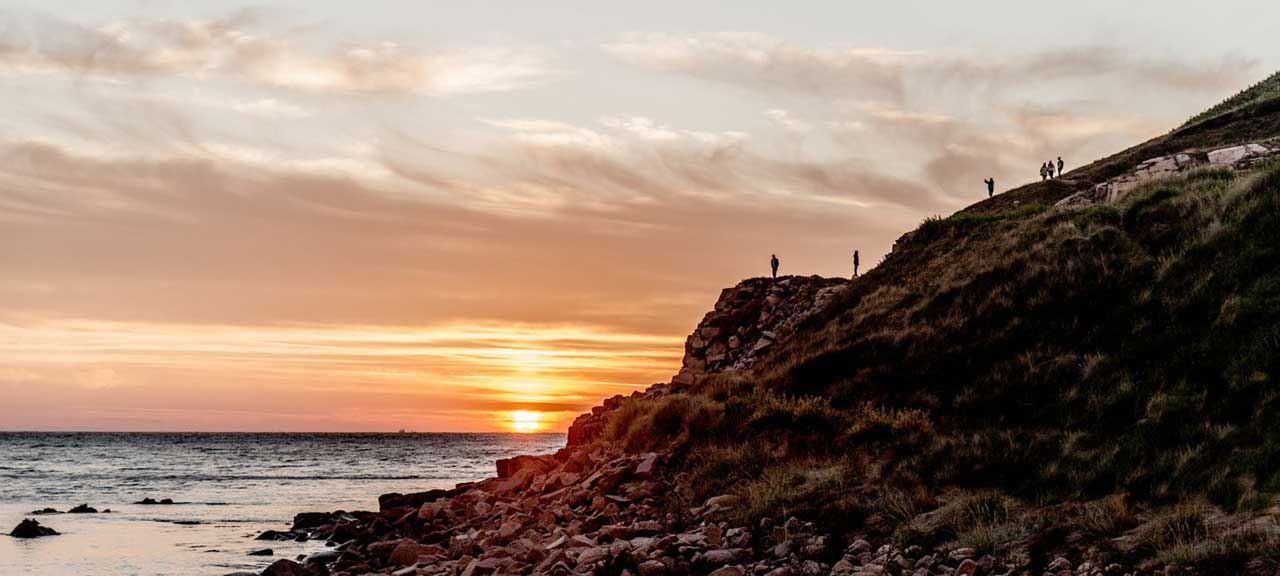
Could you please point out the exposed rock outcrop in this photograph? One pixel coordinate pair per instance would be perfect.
(1239, 157)
(749, 319)
(746, 322)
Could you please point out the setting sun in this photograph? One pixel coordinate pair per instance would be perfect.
(525, 420)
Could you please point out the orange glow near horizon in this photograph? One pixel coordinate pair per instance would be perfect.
(463, 377)
(525, 421)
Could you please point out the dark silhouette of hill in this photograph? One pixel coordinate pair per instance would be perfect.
(1049, 366)
(1076, 377)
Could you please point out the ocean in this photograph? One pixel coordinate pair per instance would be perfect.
(228, 488)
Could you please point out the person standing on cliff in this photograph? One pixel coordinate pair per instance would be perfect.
(773, 263)
(1059, 166)
(1049, 165)
(855, 263)
(991, 186)
(1044, 171)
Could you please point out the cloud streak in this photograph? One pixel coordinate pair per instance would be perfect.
(761, 62)
(234, 48)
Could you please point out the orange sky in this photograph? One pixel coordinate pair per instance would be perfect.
(462, 216)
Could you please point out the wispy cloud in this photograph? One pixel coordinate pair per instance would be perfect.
(762, 62)
(237, 48)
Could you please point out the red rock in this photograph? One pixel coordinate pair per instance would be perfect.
(290, 568)
(509, 529)
(508, 467)
(408, 552)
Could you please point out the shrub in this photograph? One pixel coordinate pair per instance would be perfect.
(872, 422)
(1107, 518)
(1175, 531)
(793, 488)
(664, 423)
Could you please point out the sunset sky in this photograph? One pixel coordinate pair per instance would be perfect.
(481, 216)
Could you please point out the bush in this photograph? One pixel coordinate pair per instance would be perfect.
(665, 423)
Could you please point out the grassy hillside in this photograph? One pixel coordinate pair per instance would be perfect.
(1264, 90)
(1016, 377)
(1250, 116)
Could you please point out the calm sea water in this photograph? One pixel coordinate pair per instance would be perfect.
(230, 487)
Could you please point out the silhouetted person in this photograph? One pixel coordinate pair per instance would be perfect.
(773, 263)
(1059, 166)
(1049, 165)
(1044, 171)
(991, 186)
(855, 263)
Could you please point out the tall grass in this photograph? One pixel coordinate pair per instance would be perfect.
(1265, 90)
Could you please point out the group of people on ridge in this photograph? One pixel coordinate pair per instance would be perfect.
(773, 264)
(1046, 169)
(1046, 172)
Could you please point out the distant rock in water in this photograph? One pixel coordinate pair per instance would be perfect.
(31, 529)
(263, 552)
(44, 512)
(83, 509)
(154, 502)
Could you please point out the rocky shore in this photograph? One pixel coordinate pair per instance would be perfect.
(590, 508)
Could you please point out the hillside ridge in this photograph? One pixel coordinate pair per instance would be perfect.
(1023, 387)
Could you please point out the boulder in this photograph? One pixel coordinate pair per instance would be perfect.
(83, 509)
(645, 468)
(430, 510)
(415, 500)
(509, 529)
(284, 567)
(29, 528)
(721, 502)
(508, 467)
(323, 557)
(305, 520)
(275, 535)
(1230, 156)
(592, 556)
(652, 568)
(263, 552)
(729, 571)
(408, 552)
(722, 556)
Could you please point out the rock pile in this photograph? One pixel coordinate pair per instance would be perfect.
(748, 320)
(1240, 157)
(590, 510)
